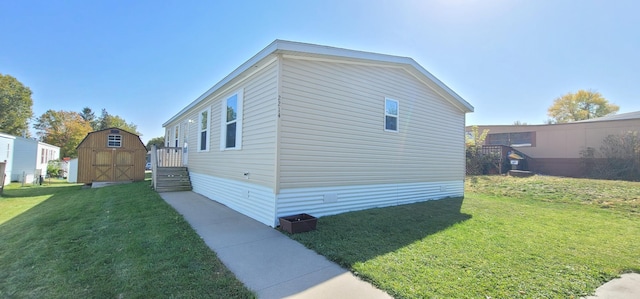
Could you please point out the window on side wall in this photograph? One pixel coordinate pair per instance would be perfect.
(231, 125)
(204, 124)
(391, 114)
(514, 139)
(176, 135)
(114, 140)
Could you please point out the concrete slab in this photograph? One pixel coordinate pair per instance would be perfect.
(266, 261)
(625, 287)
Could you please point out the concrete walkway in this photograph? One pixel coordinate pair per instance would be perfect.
(625, 287)
(265, 260)
(274, 266)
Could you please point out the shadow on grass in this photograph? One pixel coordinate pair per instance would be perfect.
(37, 190)
(362, 235)
(117, 241)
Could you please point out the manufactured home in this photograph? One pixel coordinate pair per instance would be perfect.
(26, 158)
(303, 128)
(6, 156)
(555, 149)
(110, 155)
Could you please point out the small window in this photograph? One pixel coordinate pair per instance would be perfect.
(391, 115)
(177, 136)
(231, 130)
(514, 139)
(114, 141)
(203, 129)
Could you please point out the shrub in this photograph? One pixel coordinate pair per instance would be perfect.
(53, 169)
(477, 160)
(617, 159)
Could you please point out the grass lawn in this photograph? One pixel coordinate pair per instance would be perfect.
(124, 241)
(538, 237)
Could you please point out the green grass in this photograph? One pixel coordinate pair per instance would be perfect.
(506, 239)
(14, 206)
(620, 196)
(124, 241)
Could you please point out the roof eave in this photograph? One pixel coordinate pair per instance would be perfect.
(245, 66)
(283, 46)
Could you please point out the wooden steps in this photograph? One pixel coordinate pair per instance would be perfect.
(171, 179)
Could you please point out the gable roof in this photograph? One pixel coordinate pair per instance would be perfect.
(112, 128)
(318, 51)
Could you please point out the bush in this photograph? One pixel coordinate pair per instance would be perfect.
(481, 162)
(477, 160)
(617, 159)
(53, 169)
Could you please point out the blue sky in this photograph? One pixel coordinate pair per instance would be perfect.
(146, 60)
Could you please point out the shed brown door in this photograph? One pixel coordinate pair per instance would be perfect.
(112, 165)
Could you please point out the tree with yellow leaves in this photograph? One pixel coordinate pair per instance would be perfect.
(584, 104)
(65, 129)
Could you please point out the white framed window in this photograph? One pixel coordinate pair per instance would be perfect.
(391, 115)
(185, 130)
(114, 140)
(231, 125)
(204, 124)
(176, 136)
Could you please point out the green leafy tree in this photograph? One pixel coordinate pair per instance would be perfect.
(474, 138)
(158, 141)
(65, 129)
(90, 117)
(15, 106)
(107, 120)
(584, 104)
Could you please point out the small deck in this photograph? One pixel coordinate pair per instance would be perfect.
(168, 172)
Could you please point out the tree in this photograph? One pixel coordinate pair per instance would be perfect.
(520, 123)
(90, 117)
(475, 138)
(15, 106)
(584, 104)
(65, 129)
(158, 141)
(107, 120)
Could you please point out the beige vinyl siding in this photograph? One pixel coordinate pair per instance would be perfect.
(257, 155)
(332, 127)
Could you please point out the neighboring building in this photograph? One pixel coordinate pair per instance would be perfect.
(555, 149)
(26, 158)
(6, 155)
(110, 155)
(322, 130)
(72, 175)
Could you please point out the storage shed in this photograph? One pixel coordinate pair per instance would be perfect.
(111, 155)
